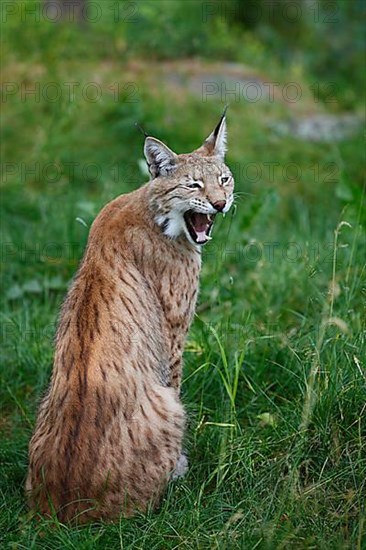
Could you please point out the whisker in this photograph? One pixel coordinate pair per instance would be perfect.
(237, 193)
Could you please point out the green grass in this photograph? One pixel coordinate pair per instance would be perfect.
(274, 380)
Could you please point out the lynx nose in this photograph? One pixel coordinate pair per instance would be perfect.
(219, 205)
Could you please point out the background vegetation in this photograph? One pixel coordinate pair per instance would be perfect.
(275, 374)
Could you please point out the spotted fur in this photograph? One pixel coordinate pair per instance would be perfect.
(109, 430)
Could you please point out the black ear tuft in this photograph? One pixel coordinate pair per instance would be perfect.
(223, 116)
(215, 144)
(141, 130)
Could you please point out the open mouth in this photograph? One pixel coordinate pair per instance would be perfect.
(199, 226)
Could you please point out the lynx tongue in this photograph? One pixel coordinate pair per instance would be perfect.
(200, 224)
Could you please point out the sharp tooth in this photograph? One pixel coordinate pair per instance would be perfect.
(209, 217)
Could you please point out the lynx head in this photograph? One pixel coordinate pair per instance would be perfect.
(188, 190)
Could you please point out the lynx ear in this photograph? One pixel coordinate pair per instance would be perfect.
(160, 159)
(215, 144)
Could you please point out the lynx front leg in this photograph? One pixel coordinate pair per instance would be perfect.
(176, 356)
(176, 367)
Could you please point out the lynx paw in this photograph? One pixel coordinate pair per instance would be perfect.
(181, 467)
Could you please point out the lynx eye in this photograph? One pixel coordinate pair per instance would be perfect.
(195, 185)
(224, 180)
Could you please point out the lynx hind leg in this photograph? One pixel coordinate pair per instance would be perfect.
(181, 467)
(162, 426)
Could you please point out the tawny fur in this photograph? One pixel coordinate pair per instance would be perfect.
(109, 431)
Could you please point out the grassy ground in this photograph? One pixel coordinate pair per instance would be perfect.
(275, 379)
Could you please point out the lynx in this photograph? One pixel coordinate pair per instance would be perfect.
(109, 431)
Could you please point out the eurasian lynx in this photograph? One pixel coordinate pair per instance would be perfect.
(109, 431)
